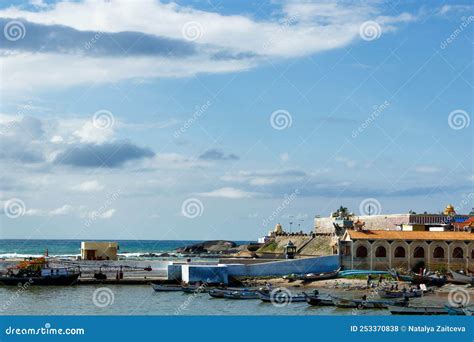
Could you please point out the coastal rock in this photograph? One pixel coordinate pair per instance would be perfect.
(214, 246)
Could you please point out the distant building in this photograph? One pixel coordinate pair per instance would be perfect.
(378, 249)
(99, 250)
(392, 221)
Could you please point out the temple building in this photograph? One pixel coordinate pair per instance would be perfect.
(410, 250)
(446, 219)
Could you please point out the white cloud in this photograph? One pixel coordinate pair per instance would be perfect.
(89, 133)
(88, 186)
(229, 193)
(97, 214)
(64, 210)
(296, 29)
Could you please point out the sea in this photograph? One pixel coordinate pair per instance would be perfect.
(18, 248)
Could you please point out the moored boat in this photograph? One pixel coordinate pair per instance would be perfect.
(279, 296)
(427, 279)
(317, 299)
(459, 311)
(462, 278)
(367, 304)
(165, 287)
(386, 293)
(417, 310)
(321, 276)
(233, 293)
(38, 272)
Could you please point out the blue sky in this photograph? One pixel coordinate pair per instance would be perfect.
(203, 120)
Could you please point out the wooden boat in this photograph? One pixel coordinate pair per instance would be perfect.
(319, 300)
(321, 276)
(462, 278)
(195, 289)
(165, 287)
(429, 279)
(417, 310)
(228, 292)
(459, 311)
(241, 295)
(386, 293)
(38, 272)
(279, 297)
(367, 304)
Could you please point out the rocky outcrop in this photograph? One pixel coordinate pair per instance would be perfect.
(214, 247)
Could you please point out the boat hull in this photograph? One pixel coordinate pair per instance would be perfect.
(462, 278)
(319, 301)
(269, 298)
(63, 280)
(166, 288)
(400, 294)
(423, 311)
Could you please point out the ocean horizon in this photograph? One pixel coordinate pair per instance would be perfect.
(24, 248)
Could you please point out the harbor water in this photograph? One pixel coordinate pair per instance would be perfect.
(142, 300)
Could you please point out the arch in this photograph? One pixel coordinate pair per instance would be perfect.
(458, 253)
(380, 252)
(419, 252)
(361, 252)
(438, 253)
(399, 252)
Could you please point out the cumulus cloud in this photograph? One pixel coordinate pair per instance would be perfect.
(69, 43)
(88, 186)
(228, 192)
(216, 154)
(113, 154)
(64, 210)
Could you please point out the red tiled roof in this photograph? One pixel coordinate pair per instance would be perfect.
(409, 235)
(467, 223)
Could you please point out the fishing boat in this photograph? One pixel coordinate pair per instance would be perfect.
(38, 272)
(386, 293)
(462, 278)
(233, 293)
(427, 279)
(166, 287)
(367, 304)
(279, 296)
(195, 289)
(317, 299)
(459, 311)
(321, 276)
(417, 310)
